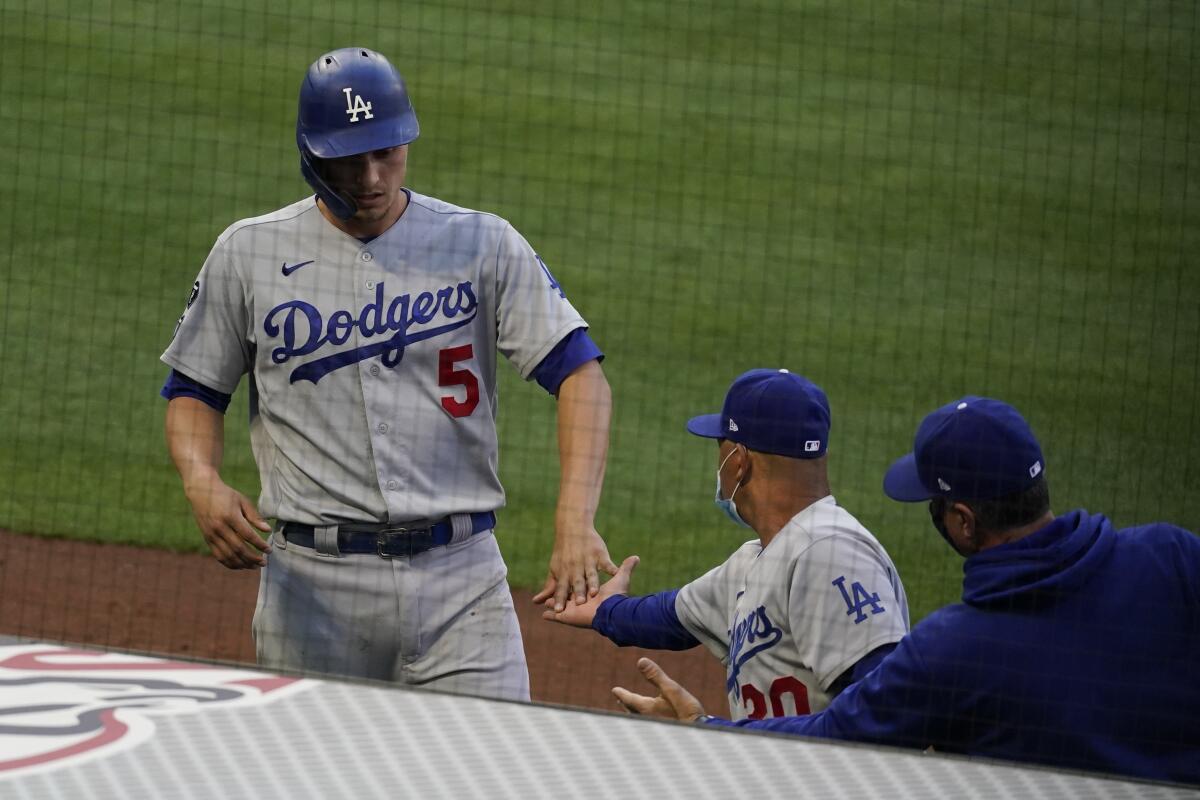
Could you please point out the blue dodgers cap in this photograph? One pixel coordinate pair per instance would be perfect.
(771, 411)
(975, 448)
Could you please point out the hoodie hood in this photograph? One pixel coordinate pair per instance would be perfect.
(1040, 567)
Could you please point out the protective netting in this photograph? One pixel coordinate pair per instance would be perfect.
(905, 202)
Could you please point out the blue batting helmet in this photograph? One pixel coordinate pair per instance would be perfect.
(352, 101)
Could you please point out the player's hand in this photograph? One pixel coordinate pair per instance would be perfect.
(579, 554)
(673, 701)
(228, 520)
(581, 615)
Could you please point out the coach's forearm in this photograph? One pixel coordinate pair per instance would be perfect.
(649, 621)
(195, 440)
(584, 414)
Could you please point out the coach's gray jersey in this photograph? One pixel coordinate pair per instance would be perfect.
(787, 620)
(373, 393)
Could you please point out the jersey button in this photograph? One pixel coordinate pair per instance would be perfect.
(382, 427)
(366, 256)
(374, 370)
(391, 485)
(370, 284)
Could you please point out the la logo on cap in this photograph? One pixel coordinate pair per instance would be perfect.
(732, 425)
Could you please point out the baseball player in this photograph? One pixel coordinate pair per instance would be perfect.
(369, 318)
(802, 611)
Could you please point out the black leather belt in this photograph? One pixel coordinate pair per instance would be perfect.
(385, 539)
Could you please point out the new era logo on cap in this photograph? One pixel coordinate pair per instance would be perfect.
(1036, 469)
(732, 425)
(945, 487)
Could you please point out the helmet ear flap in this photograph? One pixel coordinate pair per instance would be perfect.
(342, 206)
(352, 101)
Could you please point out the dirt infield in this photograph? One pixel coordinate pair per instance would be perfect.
(180, 604)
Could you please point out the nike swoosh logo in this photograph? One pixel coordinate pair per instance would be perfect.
(289, 270)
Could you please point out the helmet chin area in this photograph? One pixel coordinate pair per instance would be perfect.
(342, 206)
(352, 101)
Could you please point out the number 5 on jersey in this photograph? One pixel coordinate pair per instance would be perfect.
(449, 376)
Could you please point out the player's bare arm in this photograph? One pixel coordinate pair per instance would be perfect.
(672, 702)
(227, 519)
(584, 413)
(581, 616)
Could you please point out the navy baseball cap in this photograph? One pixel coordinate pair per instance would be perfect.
(975, 448)
(771, 411)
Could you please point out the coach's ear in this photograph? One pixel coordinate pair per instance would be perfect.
(745, 464)
(962, 528)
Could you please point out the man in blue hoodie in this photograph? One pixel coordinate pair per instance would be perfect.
(1076, 645)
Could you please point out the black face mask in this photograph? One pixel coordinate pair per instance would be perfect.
(937, 509)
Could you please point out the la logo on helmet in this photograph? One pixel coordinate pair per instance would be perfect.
(357, 106)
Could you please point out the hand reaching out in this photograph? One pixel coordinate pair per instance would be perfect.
(673, 701)
(581, 615)
(579, 556)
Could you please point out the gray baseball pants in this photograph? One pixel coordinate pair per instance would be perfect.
(442, 619)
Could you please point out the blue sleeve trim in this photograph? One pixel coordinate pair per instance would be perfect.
(571, 352)
(860, 669)
(649, 621)
(180, 385)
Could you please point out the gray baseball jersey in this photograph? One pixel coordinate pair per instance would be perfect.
(787, 620)
(373, 399)
(373, 365)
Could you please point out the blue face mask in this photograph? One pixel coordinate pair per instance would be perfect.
(728, 506)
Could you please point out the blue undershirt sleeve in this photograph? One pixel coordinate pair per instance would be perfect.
(860, 669)
(649, 621)
(572, 351)
(180, 385)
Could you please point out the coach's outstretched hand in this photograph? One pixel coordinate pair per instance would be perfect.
(581, 615)
(673, 701)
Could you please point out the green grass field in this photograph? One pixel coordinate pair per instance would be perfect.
(905, 201)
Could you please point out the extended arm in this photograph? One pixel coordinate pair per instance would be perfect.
(896, 704)
(648, 621)
(584, 412)
(899, 703)
(227, 519)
